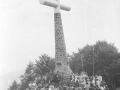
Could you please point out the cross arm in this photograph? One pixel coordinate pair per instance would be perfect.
(54, 4)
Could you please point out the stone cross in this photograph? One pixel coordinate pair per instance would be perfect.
(61, 60)
(55, 4)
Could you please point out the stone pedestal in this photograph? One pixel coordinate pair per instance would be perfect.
(61, 60)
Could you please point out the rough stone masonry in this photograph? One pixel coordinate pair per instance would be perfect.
(61, 60)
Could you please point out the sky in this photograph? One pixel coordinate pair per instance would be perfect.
(27, 29)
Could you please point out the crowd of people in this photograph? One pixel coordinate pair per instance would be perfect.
(76, 82)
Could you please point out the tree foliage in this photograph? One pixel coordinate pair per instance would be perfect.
(27, 77)
(45, 64)
(101, 58)
(14, 86)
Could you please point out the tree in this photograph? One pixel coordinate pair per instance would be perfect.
(27, 77)
(14, 86)
(45, 64)
(84, 57)
(101, 59)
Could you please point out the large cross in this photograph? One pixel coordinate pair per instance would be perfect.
(55, 4)
(61, 60)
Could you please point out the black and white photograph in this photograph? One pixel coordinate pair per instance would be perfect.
(59, 44)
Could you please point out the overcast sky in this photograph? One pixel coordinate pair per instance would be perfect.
(27, 29)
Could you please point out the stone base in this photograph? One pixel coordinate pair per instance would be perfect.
(64, 71)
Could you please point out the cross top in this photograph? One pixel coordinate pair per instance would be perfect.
(56, 5)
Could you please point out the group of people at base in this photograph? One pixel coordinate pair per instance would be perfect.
(76, 82)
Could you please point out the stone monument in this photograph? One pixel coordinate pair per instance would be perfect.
(61, 60)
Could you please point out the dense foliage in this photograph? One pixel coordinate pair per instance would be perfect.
(14, 86)
(102, 59)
